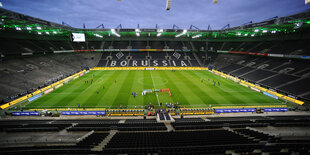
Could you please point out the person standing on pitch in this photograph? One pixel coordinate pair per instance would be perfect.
(97, 91)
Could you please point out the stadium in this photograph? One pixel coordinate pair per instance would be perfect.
(240, 89)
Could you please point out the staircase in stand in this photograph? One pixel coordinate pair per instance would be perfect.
(164, 117)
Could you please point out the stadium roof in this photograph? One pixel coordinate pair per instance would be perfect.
(16, 22)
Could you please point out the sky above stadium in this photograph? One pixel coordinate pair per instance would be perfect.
(148, 13)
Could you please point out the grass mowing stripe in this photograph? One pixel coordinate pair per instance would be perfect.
(250, 96)
(217, 92)
(124, 93)
(177, 92)
(246, 95)
(120, 84)
(161, 83)
(137, 86)
(93, 98)
(89, 91)
(196, 89)
(148, 84)
(80, 88)
(210, 90)
(51, 99)
(232, 97)
(154, 87)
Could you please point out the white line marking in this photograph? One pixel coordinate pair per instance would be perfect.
(154, 88)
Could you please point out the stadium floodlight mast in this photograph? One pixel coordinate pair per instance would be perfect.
(179, 35)
(115, 33)
(159, 32)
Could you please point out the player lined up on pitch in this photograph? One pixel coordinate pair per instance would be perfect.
(213, 81)
(134, 94)
(91, 81)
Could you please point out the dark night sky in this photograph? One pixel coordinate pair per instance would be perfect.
(148, 13)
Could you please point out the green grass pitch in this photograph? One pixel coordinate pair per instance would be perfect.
(185, 86)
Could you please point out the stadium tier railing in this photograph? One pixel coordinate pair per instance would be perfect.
(258, 88)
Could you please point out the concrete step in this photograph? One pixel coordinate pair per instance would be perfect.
(105, 141)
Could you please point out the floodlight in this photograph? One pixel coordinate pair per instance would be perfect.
(256, 30)
(138, 32)
(245, 34)
(98, 35)
(28, 28)
(47, 32)
(18, 28)
(179, 35)
(238, 34)
(159, 32)
(265, 31)
(197, 36)
(39, 28)
(252, 35)
(39, 33)
(115, 33)
(54, 32)
(274, 31)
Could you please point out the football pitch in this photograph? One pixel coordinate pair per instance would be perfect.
(112, 89)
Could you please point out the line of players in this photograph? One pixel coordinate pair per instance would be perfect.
(214, 82)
